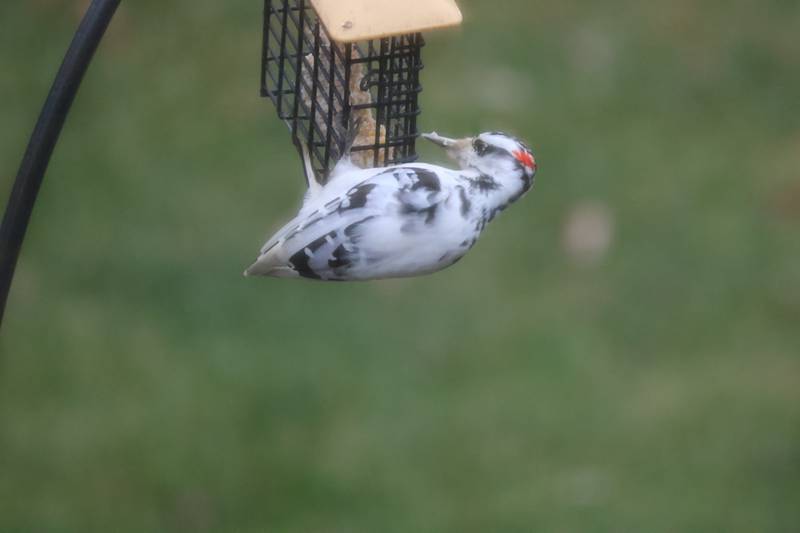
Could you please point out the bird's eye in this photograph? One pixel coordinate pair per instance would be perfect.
(480, 147)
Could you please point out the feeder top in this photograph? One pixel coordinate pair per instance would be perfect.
(360, 20)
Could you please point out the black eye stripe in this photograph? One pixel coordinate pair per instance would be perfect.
(495, 150)
(482, 148)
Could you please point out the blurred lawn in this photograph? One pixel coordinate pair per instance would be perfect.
(146, 386)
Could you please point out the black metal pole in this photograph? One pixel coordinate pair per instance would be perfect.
(45, 135)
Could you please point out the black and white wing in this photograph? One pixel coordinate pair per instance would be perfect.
(370, 230)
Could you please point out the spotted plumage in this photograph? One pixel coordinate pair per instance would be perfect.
(400, 221)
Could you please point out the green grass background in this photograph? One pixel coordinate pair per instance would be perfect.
(146, 386)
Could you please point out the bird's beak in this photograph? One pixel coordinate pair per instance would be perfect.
(437, 139)
(459, 150)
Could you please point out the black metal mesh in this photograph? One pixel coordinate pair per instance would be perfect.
(321, 89)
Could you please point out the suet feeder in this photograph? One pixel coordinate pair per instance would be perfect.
(346, 73)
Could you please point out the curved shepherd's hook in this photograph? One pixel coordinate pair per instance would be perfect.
(45, 135)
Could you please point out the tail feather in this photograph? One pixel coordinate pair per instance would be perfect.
(264, 265)
(263, 270)
(268, 267)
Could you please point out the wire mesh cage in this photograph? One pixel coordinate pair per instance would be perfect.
(334, 95)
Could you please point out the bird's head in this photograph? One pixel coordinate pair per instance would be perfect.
(494, 154)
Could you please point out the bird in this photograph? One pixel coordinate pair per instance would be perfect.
(399, 221)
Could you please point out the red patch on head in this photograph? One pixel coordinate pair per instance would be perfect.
(526, 158)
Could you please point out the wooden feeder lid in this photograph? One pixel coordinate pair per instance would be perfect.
(360, 20)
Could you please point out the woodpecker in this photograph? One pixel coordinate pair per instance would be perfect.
(399, 221)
